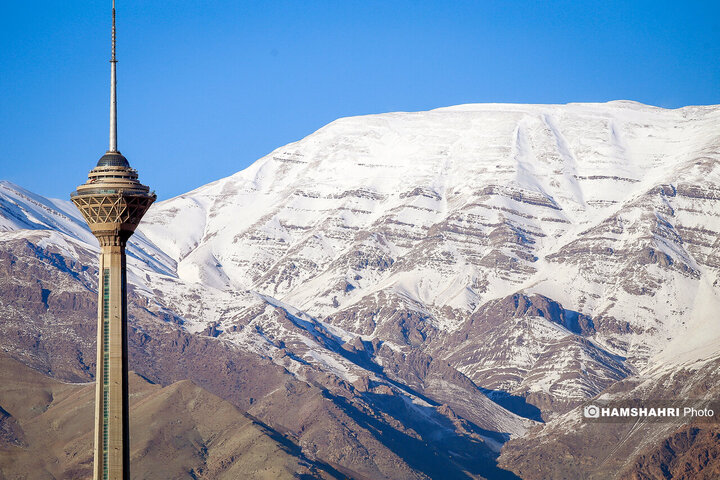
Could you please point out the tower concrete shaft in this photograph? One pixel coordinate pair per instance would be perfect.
(112, 201)
(112, 433)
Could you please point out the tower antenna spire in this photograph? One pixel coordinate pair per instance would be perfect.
(113, 89)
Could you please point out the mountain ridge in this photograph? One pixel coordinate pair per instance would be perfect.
(494, 264)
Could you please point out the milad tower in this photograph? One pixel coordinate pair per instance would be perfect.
(112, 201)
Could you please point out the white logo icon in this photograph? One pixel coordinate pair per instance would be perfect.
(591, 411)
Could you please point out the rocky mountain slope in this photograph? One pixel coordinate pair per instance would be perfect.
(401, 294)
(177, 430)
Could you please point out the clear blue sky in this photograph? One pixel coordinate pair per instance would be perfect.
(207, 87)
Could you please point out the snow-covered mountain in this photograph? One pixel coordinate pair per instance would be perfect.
(490, 265)
(610, 210)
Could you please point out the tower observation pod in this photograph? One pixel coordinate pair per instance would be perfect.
(113, 202)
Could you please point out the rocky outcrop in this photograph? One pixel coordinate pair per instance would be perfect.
(690, 453)
(571, 447)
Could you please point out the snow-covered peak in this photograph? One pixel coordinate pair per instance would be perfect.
(22, 209)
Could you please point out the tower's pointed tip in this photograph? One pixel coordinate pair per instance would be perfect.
(113, 89)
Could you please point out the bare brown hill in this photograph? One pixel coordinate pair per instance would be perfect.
(178, 431)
